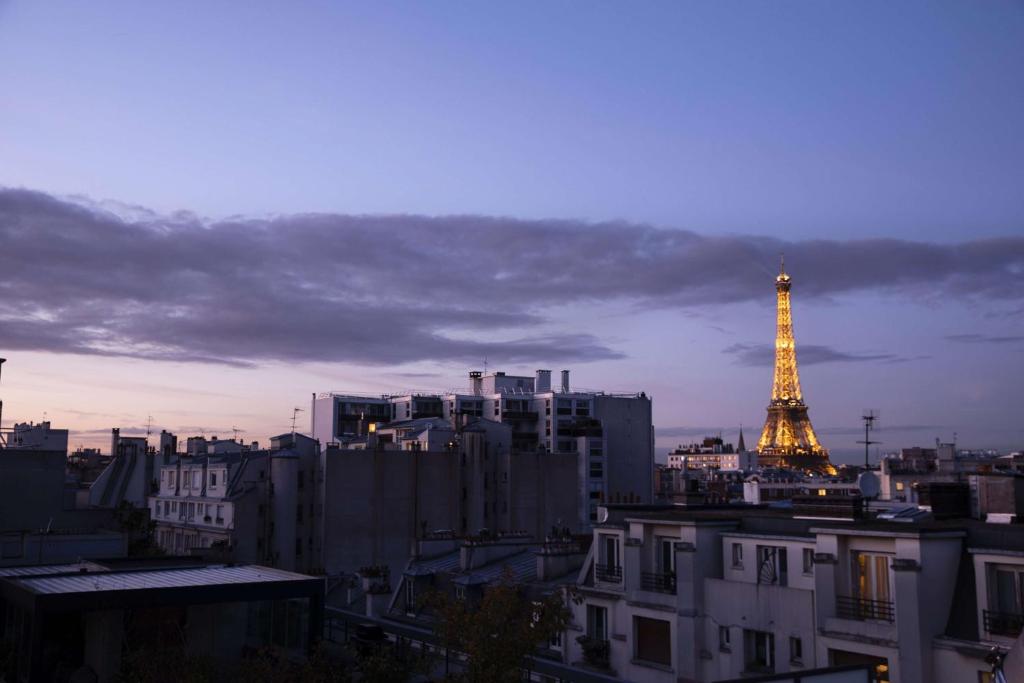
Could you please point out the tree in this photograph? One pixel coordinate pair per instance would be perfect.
(136, 525)
(499, 632)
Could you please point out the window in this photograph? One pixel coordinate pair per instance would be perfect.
(808, 554)
(737, 555)
(596, 469)
(758, 651)
(213, 479)
(724, 639)
(871, 577)
(653, 640)
(608, 557)
(666, 555)
(899, 486)
(298, 513)
(302, 479)
(298, 547)
(1005, 598)
(220, 514)
(195, 480)
(597, 622)
(771, 565)
(796, 650)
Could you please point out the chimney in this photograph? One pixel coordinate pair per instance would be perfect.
(115, 440)
(475, 382)
(565, 381)
(543, 382)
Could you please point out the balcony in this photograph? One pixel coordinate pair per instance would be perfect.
(531, 415)
(1003, 623)
(608, 573)
(658, 583)
(862, 609)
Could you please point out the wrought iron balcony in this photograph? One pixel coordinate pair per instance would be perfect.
(658, 583)
(863, 609)
(608, 572)
(1003, 623)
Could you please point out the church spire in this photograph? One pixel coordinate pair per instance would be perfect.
(740, 446)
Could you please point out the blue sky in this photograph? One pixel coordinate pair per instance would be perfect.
(756, 126)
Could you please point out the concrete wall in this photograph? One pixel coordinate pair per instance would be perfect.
(629, 447)
(376, 502)
(32, 489)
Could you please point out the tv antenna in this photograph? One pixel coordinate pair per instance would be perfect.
(869, 418)
(149, 426)
(295, 414)
(236, 430)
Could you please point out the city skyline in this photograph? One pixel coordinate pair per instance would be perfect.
(257, 207)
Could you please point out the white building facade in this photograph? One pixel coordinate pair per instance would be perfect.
(691, 595)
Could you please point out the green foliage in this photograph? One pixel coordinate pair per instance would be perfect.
(499, 632)
(135, 523)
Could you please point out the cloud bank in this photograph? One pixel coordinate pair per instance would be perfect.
(89, 278)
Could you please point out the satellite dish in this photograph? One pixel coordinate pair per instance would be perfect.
(869, 484)
(602, 514)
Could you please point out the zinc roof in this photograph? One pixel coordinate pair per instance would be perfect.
(88, 581)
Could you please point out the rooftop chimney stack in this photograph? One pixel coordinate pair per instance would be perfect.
(475, 382)
(565, 381)
(543, 383)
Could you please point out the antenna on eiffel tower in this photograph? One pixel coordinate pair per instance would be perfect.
(869, 418)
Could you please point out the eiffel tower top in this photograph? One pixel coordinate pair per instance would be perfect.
(782, 277)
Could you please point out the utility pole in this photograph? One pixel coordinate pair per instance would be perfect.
(869, 418)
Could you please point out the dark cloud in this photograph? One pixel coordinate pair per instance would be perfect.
(699, 432)
(114, 279)
(985, 338)
(879, 427)
(759, 355)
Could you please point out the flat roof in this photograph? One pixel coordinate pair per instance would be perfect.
(88, 581)
(90, 586)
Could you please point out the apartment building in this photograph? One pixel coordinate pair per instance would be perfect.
(260, 505)
(675, 594)
(612, 432)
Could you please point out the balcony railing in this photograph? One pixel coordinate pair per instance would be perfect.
(608, 572)
(658, 583)
(863, 609)
(1003, 623)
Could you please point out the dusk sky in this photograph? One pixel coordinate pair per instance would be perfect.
(210, 211)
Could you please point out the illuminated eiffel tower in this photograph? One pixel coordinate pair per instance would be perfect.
(788, 439)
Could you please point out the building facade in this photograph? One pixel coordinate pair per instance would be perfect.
(714, 594)
(262, 506)
(613, 433)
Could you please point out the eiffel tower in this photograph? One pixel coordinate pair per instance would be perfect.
(788, 439)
